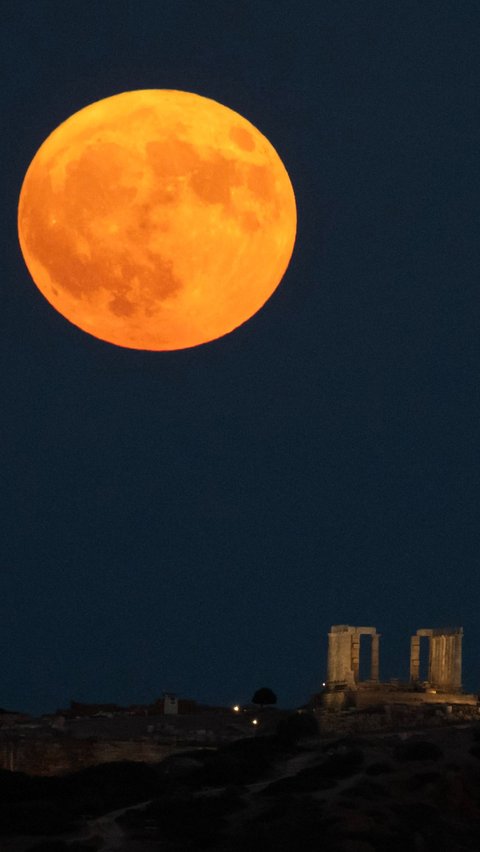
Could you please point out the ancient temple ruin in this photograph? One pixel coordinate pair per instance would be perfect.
(444, 657)
(441, 683)
(344, 655)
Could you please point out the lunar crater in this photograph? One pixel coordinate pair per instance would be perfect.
(121, 307)
(242, 138)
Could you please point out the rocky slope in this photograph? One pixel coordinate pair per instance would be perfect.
(418, 791)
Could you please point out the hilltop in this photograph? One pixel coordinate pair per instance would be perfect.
(417, 790)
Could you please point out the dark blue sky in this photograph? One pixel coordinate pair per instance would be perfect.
(195, 520)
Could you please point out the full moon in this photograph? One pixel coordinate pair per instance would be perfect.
(157, 219)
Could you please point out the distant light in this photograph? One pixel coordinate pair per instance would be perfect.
(254, 721)
(236, 708)
(324, 684)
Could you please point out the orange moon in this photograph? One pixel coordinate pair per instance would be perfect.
(157, 219)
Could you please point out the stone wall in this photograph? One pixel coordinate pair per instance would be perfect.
(370, 697)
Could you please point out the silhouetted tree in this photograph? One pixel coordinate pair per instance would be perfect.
(263, 696)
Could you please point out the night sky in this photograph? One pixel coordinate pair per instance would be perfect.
(195, 521)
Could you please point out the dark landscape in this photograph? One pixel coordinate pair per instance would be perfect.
(293, 790)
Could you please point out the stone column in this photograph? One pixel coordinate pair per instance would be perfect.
(444, 674)
(431, 659)
(332, 657)
(435, 675)
(435, 660)
(356, 656)
(375, 661)
(449, 657)
(445, 659)
(457, 663)
(340, 655)
(414, 658)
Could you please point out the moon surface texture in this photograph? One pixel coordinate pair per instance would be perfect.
(157, 219)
